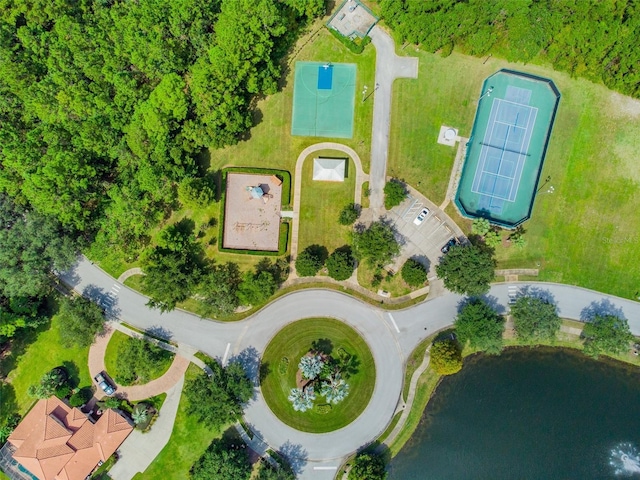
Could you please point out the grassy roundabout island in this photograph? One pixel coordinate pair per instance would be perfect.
(335, 340)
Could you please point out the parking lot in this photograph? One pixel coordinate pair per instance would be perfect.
(422, 242)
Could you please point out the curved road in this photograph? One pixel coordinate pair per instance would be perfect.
(391, 336)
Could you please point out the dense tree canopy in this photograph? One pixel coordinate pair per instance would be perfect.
(394, 193)
(219, 289)
(104, 106)
(217, 400)
(222, 461)
(596, 40)
(31, 245)
(535, 319)
(376, 244)
(467, 269)
(310, 260)
(340, 264)
(172, 267)
(446, 357)
(80, 321)
(480, 325)
(368, 466)
(19, 313)
(606, 334)
(414, 273)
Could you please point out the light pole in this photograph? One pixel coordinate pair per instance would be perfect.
(364, 93)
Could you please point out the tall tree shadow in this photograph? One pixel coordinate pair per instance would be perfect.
(296, 455)
(599, 309)
(249, 358)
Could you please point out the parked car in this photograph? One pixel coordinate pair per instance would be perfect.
(421, 216)
(105, 384)
(448, 245)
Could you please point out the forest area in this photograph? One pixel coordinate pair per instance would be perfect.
(106, 105)
(596, 40)
(105, 108)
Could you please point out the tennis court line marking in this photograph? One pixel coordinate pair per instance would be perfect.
(530, 121)
(521, 156)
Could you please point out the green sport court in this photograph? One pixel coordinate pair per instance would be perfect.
(323, 99)
(506, 150)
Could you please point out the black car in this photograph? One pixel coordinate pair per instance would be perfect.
(448, 245)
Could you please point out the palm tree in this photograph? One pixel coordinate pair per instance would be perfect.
(302, 400)
(311, 366)
(335, 390)
(140, 415)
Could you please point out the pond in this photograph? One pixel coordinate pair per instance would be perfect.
(529, 413)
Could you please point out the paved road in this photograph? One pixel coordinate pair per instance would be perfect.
(389, 66)
(391, 335)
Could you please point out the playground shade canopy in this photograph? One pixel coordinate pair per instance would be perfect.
(329, 169)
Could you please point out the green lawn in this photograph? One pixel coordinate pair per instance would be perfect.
(117, 341)
(394, 284)
(189, 439)
(293, 342)
(27, 363)
(321, 203)
(270, 142)
(586, 231)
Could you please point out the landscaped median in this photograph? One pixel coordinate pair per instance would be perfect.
(323, 337)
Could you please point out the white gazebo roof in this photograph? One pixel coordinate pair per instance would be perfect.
(329, 169)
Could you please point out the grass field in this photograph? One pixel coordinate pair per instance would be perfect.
(292, 343)
(321, 203)
(34, 359)
(189, 439)
(585, 232)
(394, 284)
(113, 348)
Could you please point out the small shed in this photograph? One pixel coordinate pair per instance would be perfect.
(329, 169)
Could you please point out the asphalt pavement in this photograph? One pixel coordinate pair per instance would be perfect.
(392, 336)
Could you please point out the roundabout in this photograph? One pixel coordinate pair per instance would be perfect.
(342, 350)
(391, 337)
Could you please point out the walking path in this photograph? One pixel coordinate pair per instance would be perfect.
(406, 406)
(140, 449)
(130, 273)
(361, 177)
(389, 66)
(456, 172)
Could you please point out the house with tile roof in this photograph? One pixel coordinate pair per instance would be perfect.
(58, 442)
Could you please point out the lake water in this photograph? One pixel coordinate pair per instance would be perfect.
(529, 414)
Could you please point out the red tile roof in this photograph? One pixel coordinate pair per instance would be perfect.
(57, 442)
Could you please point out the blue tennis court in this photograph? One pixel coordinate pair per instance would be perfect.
(507, 147)
(504, 151)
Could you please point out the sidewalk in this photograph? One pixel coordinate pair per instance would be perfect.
(140, 449)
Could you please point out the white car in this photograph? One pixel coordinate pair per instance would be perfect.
(421, 216)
